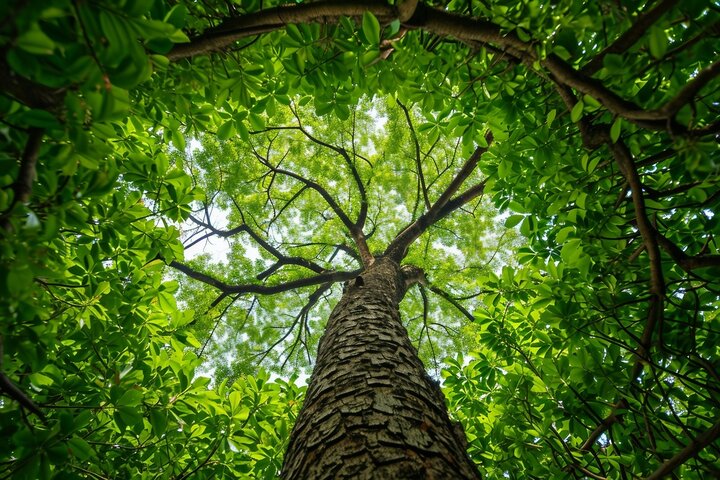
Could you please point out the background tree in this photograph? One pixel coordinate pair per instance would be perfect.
(597, 355)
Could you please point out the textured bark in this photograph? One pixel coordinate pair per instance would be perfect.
(371, 411)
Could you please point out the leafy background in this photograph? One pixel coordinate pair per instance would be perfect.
(539, 320)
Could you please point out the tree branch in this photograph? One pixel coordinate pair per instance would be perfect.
(685, 261)
(418, 162)
(442, 207)
(630, 36)
(22, 187)
(683, 97)
(691, 450)
(606, 423)
(315, 186)
(233, 29)
(282, 259)
(228, 289)
(313, 299)
(452, 301)
(13, 392)
(26, 91)
(356, 232)
(447, 24)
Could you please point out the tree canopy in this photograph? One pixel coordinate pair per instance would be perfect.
(568, 150)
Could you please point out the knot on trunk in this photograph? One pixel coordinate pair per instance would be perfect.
(410, 275)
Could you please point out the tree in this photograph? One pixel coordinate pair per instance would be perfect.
(368, 387)
(595, 355)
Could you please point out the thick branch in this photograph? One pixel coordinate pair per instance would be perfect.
(445, 24)
(398, 248)
(691, 450)
(228, 289)
(357, 230)
(362, 215)
(233, 29)
(26, 175)
(685, 261)
(442, 207)
(625, 162)
(606, 423)
(683, 97)
(630, 36)
(12, 391)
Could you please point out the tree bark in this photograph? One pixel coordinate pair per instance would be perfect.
(371, 411)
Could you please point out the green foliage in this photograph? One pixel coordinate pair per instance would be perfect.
(100, 174)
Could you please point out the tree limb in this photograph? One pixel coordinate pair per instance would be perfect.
(447, 24)
(13, 392)
(691, 450)
(22, 187)
(452, 301)
(349, 224)
(228, 289)
(418, 163)
(233, 29)
(630, 36)
(282, 259)
(26, 91)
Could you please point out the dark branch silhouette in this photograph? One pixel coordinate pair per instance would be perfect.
(442, 206)
(639, 28)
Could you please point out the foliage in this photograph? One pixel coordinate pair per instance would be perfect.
(593, 354)
(279, 229)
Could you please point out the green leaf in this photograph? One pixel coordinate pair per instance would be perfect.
(551, 116)
(257, 122)
(39, 380)
(37, 118)
(371, 28)
(235, 400)
(80, 449)
(158, 420)
(658, 42)
(613, 62)
(226, 130)
(176, 16)
(616, 129)
(35, 41)
(571, 251)
(370, 55)
(394, 27)
(117, 36)
(577, 111)
(131, 398)
(513, 220)
(178, 140)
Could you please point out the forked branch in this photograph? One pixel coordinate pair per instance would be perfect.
(442, 207)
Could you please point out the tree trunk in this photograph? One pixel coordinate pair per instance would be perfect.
(371, 411)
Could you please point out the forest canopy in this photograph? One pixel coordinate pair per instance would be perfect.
(550, 167)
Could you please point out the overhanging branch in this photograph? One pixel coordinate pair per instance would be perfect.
(331, 277)
(630, 36)
(691, 450)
